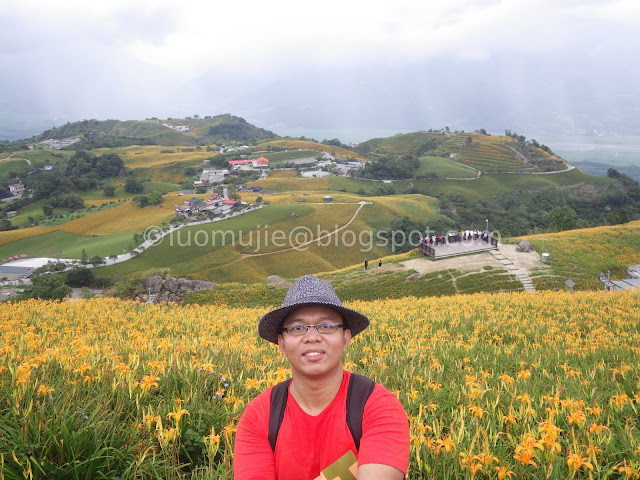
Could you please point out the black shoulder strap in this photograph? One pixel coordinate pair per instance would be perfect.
(358, 392)
(360, 388)
(279, 395)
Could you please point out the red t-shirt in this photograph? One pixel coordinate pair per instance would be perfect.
(309, 446)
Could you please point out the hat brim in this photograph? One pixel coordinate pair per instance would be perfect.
(270, 325)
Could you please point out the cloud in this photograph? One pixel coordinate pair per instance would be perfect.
(406, 62)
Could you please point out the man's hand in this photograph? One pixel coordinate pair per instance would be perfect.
(377, 471)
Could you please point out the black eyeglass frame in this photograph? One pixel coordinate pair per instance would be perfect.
(335, 326)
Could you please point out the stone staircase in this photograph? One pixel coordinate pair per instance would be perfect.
(527, 283)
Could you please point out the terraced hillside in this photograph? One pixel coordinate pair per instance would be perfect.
(486, 153)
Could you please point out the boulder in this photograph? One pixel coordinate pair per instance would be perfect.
(171, 284)
(413, 277)
(277, 281)
(525, 246)
(195, 285)
(152, 284)
(170, 289)
(633, 272)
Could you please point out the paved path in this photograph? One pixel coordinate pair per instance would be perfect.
(513, 269)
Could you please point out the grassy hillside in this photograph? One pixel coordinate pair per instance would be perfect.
(100, 231)
(201, 131)
(306, 145)
(255, 245)
(487, 153)
(431, 166)
(582, 255)
(149, 156)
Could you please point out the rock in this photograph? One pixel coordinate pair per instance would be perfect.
(195, 285)
(633, 272)
(171, 284)
(153, 284)
(413, 277)
(170, 289)
(278, 282)
(525, 246)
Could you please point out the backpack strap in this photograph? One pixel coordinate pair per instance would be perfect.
(360, 388)
(358, 392)
(279, 395)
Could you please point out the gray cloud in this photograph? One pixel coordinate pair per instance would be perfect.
(525, 65)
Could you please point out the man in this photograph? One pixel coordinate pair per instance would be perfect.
(314, 442)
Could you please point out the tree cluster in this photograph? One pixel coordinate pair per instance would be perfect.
(521, 212)
(84, 171)
(391, 167)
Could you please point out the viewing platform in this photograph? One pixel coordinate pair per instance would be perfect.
(455, 248)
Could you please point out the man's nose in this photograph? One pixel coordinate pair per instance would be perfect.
(312, 334)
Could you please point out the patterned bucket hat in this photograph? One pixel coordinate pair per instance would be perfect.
(309, 291)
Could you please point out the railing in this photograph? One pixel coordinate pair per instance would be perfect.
(431, 251)
(427, 250)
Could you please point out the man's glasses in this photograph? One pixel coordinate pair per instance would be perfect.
(323, 328)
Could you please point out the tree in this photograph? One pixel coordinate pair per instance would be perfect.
(131, 185)
(154, 198)
(258, 200)
(46, 287)
(6, 225)
(79, 277)
(47, 209)
(618, 217)
(109, 191)
(96, 261)
(84, 258)
(563, 218)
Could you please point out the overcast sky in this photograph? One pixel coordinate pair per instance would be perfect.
(347, 66)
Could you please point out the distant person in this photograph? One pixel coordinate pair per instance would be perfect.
(379, 263)
(300, 428)
(366, 263)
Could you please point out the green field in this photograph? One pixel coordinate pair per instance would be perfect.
(68, 245)
(492, 184)
(225, 251)
(277, 159)
(444, 167)
(15, 164)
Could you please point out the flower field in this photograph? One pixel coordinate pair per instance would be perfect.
(498, 386)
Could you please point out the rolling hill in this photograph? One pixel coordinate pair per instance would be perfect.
(183, 132)
(461, 180)
(485, 153)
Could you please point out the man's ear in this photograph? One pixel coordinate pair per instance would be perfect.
(346, 335)
(281, 344)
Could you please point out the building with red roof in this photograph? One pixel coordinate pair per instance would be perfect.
(254, 162)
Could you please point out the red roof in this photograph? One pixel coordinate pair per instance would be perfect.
(229, 202)
(261, 161)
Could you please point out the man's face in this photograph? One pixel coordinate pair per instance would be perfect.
(314, 354)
